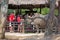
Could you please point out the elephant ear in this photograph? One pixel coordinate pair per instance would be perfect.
(40, 22)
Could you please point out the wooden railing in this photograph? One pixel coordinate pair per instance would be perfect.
(25, 28)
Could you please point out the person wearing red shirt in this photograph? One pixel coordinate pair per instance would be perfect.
(18, 19)
(19, 22)
(11, 19)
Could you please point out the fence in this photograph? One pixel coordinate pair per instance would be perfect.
(25, 27)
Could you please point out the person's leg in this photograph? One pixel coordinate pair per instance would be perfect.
(18, 27)
(13, 27)
(10, 26)
(21, 27)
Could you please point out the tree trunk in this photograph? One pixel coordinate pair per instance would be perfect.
(59, 10)
(59, 16)
(50, 19)
(3, 13)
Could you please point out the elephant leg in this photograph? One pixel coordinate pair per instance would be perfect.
(33, 27)
(40, 30)
(43, 30)
(37, 29)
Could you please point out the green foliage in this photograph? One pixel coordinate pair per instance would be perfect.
(23, 11)
(56, 12)
(37, 9)
(10, 11)
(45, 11)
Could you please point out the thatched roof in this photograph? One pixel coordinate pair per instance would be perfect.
(34, 2)
(19, 2)
(28, 2)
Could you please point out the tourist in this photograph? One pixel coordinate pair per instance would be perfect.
(11, 19)
(19, 21)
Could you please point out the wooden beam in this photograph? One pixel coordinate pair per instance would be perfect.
(25, 6)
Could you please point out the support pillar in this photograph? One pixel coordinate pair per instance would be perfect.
(40, 9)
(20, 10)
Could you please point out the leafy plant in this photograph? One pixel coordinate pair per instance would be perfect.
(10, 11)
(45, 11)
(56, 12)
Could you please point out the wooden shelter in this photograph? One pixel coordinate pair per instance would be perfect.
(28, 4)
(18, 4)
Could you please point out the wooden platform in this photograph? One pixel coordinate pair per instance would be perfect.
(23, 35)
(30, 36)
